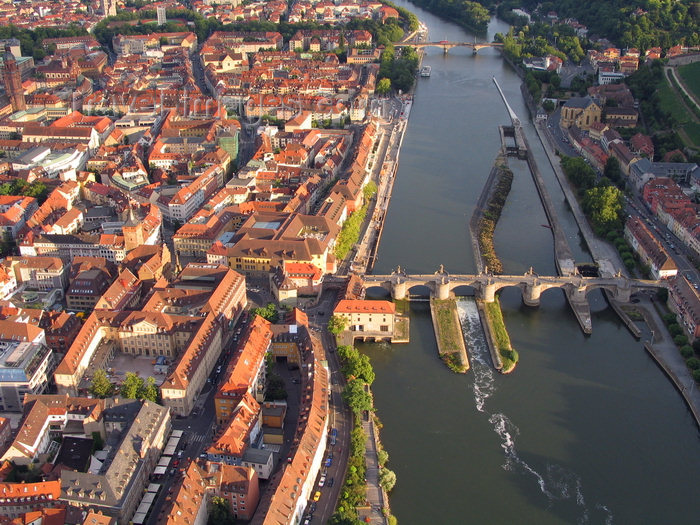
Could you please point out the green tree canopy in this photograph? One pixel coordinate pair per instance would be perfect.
(613, 172)
(357, 398)
(604, 206)
(220, 512)
(383, 86)
(268, 312)
(149, 390)
(337, 324)
(578, 172)
(387, 479)
(132, 386)
(101, 386)
(359, 367)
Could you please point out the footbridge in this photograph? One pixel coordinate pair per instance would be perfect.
(485, 285)
(446, 45)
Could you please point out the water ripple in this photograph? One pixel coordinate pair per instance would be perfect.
(558, 483)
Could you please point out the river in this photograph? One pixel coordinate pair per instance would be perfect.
(587, 429)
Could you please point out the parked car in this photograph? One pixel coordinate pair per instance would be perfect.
(317, 495)
(322, 481)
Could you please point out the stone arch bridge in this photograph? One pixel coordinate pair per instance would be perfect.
(446, 46)
(441, 285)
(532, 285)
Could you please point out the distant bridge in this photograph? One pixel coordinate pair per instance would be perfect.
(446, 46)
(485, 285)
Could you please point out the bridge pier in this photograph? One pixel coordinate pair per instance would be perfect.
(623, 293)
(398, 289)
(442, 288)
(531, 294)
(578, 294)
(488, 292)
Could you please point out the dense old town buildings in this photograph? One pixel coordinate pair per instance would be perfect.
(156, 206)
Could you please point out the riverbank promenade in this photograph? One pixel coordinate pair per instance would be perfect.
(376, 498)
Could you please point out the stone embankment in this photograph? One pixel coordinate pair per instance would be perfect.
(486, 214)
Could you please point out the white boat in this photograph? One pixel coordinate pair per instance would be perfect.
(425, 71)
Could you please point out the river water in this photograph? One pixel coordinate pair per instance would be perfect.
(587, 429)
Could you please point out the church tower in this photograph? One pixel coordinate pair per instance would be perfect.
(13, 81)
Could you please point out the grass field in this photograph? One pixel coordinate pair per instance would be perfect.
(671, 102)
(509, 357)
(691, 78)
(450, 332)
(693, 131)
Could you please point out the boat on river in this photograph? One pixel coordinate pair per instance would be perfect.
(425, 71)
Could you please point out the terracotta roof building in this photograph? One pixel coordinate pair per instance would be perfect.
(650, 250)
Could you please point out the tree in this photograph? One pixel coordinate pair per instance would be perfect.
(612, 170)
(382, 457)
(359, 367)
(337, 324)
(693, 363)
(357, 398)
(274, 390)
(680, 340)
(675, 329)
(97, 442)
(604, 206)
(101, 386)
(669, 318)
(387, 479)
(346, 352)
(7, 244)
(268, 312)
(220, 512)
(369, 190)
(132, 386)
(383, 86)
(149, 390)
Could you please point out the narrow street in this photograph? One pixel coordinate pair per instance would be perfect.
(339, 419)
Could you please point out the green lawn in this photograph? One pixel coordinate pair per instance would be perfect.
(449, 332)
(509, 356)
(693, 131)
(670, 102)
(691, 78)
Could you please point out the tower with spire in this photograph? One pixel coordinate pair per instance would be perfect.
(133, 231)
(12, 77)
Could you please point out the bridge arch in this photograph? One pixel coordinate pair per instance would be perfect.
(465, 289)
(423, 289)
(378, 290)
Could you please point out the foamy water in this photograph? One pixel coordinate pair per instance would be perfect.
(556, 482)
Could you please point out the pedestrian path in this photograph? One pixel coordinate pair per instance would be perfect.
(375, 494)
